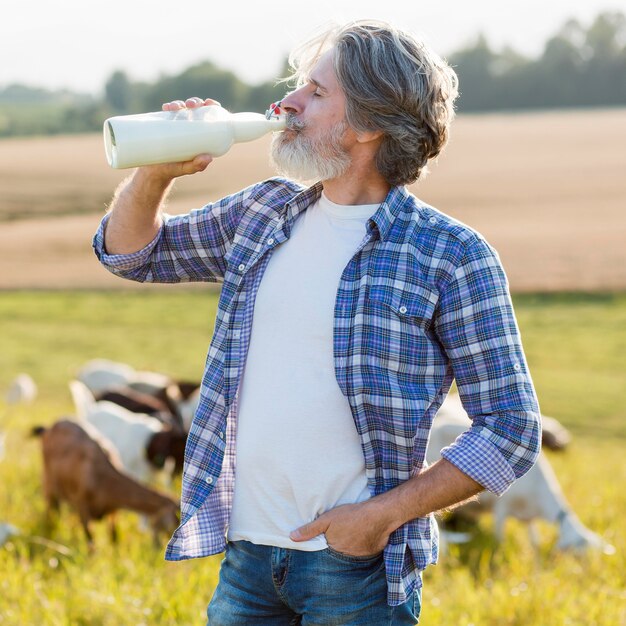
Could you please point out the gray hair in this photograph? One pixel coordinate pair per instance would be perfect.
(393, 83)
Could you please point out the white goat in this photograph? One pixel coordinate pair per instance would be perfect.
(22, 390)
(536, 495)
(130, 433)
(101, 375)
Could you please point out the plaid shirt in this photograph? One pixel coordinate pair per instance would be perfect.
(423, 301)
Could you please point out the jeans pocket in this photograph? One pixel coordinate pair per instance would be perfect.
(349, 558)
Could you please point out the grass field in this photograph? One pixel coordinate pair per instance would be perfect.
(575, 345)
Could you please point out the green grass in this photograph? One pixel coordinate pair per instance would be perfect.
(575, 346)
(51, 334)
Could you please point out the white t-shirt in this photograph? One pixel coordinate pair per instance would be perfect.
(298, 451)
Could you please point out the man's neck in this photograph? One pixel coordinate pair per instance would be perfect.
(352, 189)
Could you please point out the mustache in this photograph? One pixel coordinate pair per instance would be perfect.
(293, 123)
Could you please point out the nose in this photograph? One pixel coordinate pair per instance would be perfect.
(292, 103)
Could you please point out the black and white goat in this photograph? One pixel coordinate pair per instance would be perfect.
(143, 443)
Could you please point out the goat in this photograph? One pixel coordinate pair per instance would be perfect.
(536, 495)
(188, 407)
(554, 435)
(22, 390)
(187, 388)
(144, 443)
(101, 375)
(79, 471)
(138, 402)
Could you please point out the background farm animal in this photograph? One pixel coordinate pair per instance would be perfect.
(137, 402)
(144, 443)
(21, 390)
(104, 377)
(536, 495)
(79, 471)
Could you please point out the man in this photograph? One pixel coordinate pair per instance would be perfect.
(346, 311)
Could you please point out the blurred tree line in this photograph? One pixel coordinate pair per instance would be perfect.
(579, 67)
(33, 111)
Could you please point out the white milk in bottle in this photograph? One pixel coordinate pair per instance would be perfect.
(172, 136)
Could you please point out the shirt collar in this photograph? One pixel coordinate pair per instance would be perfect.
(391, 207)
(383, 218)
(300, 202)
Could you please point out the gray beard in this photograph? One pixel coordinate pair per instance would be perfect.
(304, 159)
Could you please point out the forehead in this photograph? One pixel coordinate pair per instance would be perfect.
(323, 71)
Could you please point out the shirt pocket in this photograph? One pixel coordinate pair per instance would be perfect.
(410, 306)
(398, 341)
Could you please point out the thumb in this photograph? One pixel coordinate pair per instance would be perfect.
(310, 530)
(197, 164)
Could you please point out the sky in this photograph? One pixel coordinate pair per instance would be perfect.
(77, 44)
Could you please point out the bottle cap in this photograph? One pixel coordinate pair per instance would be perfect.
(274, 112)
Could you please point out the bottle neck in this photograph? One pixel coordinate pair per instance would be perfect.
(250, 126)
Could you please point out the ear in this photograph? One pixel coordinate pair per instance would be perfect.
(369, 135)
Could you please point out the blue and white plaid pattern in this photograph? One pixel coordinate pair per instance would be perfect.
(422, 302)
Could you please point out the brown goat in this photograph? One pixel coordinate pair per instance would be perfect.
(79, 471)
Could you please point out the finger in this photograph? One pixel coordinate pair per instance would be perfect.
(210, 101)
(194, 102)
(310, 530)
(175, 105)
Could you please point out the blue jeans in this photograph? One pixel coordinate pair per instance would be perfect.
(269, 586)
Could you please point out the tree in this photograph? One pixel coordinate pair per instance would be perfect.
(606, 37)
(204, 80)
(118, 92)
(475, 68)
(606, 67)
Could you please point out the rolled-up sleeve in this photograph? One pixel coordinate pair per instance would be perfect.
(187, 248)
(121, 264)
(477, 327)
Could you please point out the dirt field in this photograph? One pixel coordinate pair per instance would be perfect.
(548, 190)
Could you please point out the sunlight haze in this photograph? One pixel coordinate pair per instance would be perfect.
(77, 45)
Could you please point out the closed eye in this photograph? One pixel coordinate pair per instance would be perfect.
(319, 89)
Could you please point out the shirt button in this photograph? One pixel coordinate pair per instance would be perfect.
(222, 435)
(517, 367)
(209, 480)
(270, 241)
(241, 268)
(403, 310)
(433, 220)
